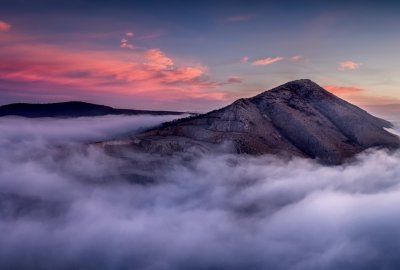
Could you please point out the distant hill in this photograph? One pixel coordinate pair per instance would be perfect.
(71, 109)
(298, 118)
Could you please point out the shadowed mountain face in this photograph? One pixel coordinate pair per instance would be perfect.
(70, 109)
(298, 118)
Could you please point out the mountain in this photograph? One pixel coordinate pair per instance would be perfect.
(297, 118)
(70, 109)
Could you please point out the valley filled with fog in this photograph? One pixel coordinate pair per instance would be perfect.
(65, 204)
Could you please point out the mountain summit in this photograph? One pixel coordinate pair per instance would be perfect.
(297, 118)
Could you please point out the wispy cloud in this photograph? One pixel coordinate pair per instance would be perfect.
(125, 43)
(192, 75)
(4, 26)
(343, 90)
(296, 58)
(234, 79)
(267, 61)
(157, 60)
(349, 65)
(245, 59)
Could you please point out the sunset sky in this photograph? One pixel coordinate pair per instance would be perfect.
(196, 55)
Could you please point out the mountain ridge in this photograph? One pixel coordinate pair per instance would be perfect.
(298, 118)
(71, 109)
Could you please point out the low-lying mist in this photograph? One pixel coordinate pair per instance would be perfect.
(82, 129)
(67, 205)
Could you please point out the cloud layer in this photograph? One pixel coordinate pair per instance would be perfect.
(77, 208)
(4, 26)
(55, 71)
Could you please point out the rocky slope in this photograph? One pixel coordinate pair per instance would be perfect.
(298, 118)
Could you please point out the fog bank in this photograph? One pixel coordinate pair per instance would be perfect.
(77, 208)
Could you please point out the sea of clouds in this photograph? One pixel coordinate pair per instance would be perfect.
(65, 204)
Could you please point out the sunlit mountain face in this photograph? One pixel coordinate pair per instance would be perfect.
(167, 135)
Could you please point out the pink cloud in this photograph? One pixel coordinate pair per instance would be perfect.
(149, 75)
(349, 65)
(125, 41)
(156, 55)
(296, 58)
(157, 60)
(4, 26)
(126, 44)
(245, 59)
(343, 90)
(267, 61)
(183, 74)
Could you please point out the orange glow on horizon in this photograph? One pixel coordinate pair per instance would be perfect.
(343, 90)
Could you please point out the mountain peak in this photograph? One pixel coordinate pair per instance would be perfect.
(304, 88)
(298, 118)
(300, 82)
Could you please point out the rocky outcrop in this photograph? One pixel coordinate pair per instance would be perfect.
(298, 118)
